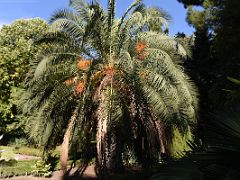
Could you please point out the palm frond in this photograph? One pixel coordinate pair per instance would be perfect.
(136, 3)
(111, 13)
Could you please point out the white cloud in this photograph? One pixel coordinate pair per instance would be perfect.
(3, 23)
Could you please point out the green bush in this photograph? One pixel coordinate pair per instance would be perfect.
(19, 143)
(52, 159)
(40, 168)
(129, 158)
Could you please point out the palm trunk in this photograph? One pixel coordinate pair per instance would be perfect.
(161, 136)
(66, 140)
(101, 139)
(113, 153)
(108, 146)
(108, 149)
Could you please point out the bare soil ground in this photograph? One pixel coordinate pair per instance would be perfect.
(25, 157)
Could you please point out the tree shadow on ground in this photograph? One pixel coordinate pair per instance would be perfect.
(78, 177)
(128, 174)
(80, 173)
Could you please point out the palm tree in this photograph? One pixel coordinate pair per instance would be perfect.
(116, 81)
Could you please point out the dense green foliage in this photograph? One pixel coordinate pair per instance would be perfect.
(191, 2)
(215, 68)
(118, 82)
(16, 51)
(215, 54)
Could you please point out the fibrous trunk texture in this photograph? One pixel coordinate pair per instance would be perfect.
(113, 152)
(101, 138)
(162, 137)
(108, 148)
(66, 139)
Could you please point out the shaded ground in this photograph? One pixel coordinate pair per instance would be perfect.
(89, 174)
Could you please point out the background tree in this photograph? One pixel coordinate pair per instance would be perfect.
(215, 61)
(16, 51)
(191, 2)
(215, 56)
(118, 82)
(226, 48)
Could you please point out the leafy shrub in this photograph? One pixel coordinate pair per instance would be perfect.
(40, 168)
(19, 143)
(129, 158)
(52, 159)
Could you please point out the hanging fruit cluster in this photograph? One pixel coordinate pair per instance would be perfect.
(83, 64)
(140, 50)
(79, 85)
(79, 88)
(110, 70)
(70, 81)
(142, 74)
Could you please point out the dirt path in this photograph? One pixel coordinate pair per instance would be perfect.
(25, 157)
(20, 156)
(89, 173)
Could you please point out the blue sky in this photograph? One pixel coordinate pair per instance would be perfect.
(11, 10)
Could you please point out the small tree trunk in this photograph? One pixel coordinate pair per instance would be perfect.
(66, 139)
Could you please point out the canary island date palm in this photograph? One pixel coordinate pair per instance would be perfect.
(118, 82)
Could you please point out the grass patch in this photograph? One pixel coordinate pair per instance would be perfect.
(16, 168)
(10, 167)
(28, 151)
(7, 154)
(6, 148)
(24, 150)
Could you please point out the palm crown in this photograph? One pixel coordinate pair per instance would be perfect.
(116, 81)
